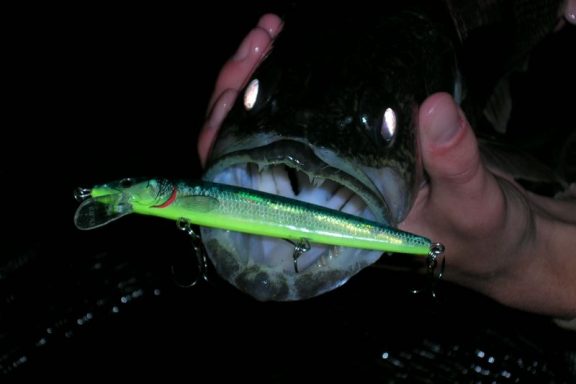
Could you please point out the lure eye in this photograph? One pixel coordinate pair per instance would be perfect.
(251, 94)
(126, 183)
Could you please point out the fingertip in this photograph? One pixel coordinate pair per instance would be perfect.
(238, 69)
(271, 23)
(440, 120)
(233, 76)
(449, 147)
(253, 45)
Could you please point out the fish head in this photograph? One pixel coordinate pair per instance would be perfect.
(328, 118)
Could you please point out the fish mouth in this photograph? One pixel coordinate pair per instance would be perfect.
(272, 269)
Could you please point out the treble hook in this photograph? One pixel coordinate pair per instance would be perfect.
(436, 251)
(300, 248)
(184, 224)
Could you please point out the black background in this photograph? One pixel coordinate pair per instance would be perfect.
(96, 93)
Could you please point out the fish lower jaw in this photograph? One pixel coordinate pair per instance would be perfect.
(269, 268)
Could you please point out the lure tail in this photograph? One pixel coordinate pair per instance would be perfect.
(99, 211)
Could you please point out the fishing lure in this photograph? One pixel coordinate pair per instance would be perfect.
(243, 210)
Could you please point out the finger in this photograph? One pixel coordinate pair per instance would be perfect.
(271, 24)
(462, 205)
(233, 76)
(441, 129)
(208, 133)
(450, 151)
(237, 70)
(461, 198)
(250, 52)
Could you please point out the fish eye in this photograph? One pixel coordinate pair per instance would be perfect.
(126, 183)
(251, 94)
(388, 127)
(382, 127)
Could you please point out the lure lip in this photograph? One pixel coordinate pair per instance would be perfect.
(97, 211)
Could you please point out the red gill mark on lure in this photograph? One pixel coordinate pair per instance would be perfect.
(170, 200)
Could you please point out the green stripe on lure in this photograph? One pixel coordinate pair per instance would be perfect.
(242, 210)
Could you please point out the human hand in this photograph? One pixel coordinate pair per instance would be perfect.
(510, 244)
(233, 75)
(500, 239)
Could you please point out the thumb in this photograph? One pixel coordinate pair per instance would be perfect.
(449, 148)
(450, 155)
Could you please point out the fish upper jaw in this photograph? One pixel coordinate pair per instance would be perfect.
(298, 170)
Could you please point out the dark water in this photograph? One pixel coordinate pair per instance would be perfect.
(109, 93)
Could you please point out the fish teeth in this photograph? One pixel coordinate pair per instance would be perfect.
(310, 178)
(316, 181)
(334, 252)
(261, 167)
(328, 256)
(340, 198)
(322, 261)
(282, 181)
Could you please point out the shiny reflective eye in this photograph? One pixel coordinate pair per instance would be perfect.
(126, 183)
(388, 128)
(251, 94)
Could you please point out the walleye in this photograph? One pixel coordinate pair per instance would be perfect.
(242, 210)
(330, 118)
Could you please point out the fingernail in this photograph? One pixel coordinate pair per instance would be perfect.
(271, 23)
(243, 50)
(445, 121)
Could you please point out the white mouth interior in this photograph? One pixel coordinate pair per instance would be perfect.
(284, 181)
(278, 254)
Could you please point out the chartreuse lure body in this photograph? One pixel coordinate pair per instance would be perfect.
(242, 210)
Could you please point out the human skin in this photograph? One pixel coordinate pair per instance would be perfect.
(510, 244)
